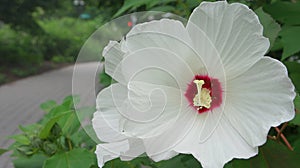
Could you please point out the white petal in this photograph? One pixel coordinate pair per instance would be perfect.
(166, 34)
(209, 123)
(159, 146)
(222, 146)
(106, 121)
(113, 55)
(234, 30)
(126, 150)
(137, 67)
(260, 98)
(109, 151)
(143, 110)
(150, 110)
(164, 27)
(136, 148)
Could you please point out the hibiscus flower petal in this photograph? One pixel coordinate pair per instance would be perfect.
(234, 30)
(158, 146)
(150, 109)
(106, 121)
(126, 150)
(114, 55)
(260, 98)
(222, 146)
(137, 66)
(142, 110)
(165, 34)
(109, 151)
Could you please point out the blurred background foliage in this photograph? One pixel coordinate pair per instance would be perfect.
(34, 33)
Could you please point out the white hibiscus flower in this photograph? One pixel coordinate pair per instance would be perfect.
(204, 89)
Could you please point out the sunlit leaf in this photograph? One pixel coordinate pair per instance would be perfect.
(21, 138)
(48, 126)
(69, 123)
(48, 105)
(54, 112)
(30, 129)
(70, 101)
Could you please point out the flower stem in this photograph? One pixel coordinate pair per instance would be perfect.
(281, 130)
(284, 139)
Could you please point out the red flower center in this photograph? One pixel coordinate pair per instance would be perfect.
(211, 84)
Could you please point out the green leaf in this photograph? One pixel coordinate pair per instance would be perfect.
(49, 147)
(296, 120)
(21, 138)
(193, 3)
(48, 105)
(2, 151)
(296, 146)
(290, 39)
(166, 8)
(105, 79)
(295, 77)
(31, 129)
(272, 154)
(158, 3)
(135, 163)
(48, 126)
(26, 150)
(69, 123)
(285, 12)
(77, 158)
(85, 113)
(70, 101)
(35, 161)
(56, 111)
(297, 103)
(271, 27)
(294, 73)
(293, 67)
(277, 45)
(180, 161)
(85, 136)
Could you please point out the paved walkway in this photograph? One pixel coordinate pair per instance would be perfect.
(20, 100)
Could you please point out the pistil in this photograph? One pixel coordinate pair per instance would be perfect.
(202, 98)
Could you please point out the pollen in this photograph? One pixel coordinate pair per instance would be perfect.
(202, 98)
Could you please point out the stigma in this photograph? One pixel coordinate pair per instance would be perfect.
(202, 98)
